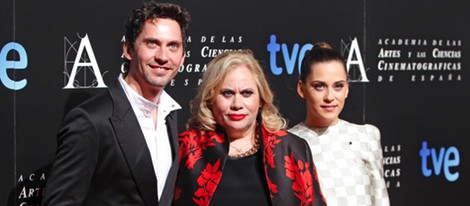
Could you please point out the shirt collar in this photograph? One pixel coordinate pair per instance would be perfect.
(166, 103)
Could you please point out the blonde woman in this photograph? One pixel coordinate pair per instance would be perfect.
(236, 151)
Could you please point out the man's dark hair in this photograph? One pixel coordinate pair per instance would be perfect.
(154, 10)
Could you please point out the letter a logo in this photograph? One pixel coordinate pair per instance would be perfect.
(358, 61)
(85, 62)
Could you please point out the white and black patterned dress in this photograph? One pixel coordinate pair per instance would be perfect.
(349, 163)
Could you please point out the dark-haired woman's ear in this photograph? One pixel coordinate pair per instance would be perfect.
(300, 90)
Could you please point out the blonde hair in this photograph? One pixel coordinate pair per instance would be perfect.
(202, 118)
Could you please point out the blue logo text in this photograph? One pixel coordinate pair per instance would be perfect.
(20, 62)
(290, 57)
(443, 159)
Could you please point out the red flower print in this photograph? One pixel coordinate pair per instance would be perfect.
(207, 181)
(270, 141)
(177, 193)
(191, 145)
(281, 133)
(272, 187)
(303, 180)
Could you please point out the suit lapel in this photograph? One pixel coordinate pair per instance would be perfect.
(168, 191)
(133, 145)
(172, 127)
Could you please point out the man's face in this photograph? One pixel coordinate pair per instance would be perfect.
(156, 56)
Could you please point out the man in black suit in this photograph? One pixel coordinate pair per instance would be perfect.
(120, 147)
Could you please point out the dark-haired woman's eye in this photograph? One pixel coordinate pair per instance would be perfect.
(318, 86)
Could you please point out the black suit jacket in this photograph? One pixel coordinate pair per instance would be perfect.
(102, 157)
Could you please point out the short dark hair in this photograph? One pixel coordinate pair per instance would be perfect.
(154, 10)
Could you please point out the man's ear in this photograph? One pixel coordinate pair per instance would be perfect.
(182, 60)
(126, 50)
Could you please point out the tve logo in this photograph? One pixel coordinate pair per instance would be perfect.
(297, 53)
(443, 159)
(20, 62)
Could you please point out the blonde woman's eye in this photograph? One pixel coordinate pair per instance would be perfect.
(247, 93)
(226, 93)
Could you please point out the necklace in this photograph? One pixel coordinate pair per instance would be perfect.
(239, 149)
(249, 152)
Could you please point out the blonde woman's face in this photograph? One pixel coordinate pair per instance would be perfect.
(325, 92)
(237, 102)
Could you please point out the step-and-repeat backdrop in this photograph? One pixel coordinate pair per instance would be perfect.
(407, 61)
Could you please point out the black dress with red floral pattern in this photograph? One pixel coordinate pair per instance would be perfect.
(290, 174)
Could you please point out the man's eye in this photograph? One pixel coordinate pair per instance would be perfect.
(151, 44)
(174, 46)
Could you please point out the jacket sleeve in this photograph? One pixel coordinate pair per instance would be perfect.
(379, 188)
(318, 199)
(292, 179)
(75, 160)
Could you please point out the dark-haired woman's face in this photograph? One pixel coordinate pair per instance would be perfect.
(325, 91)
